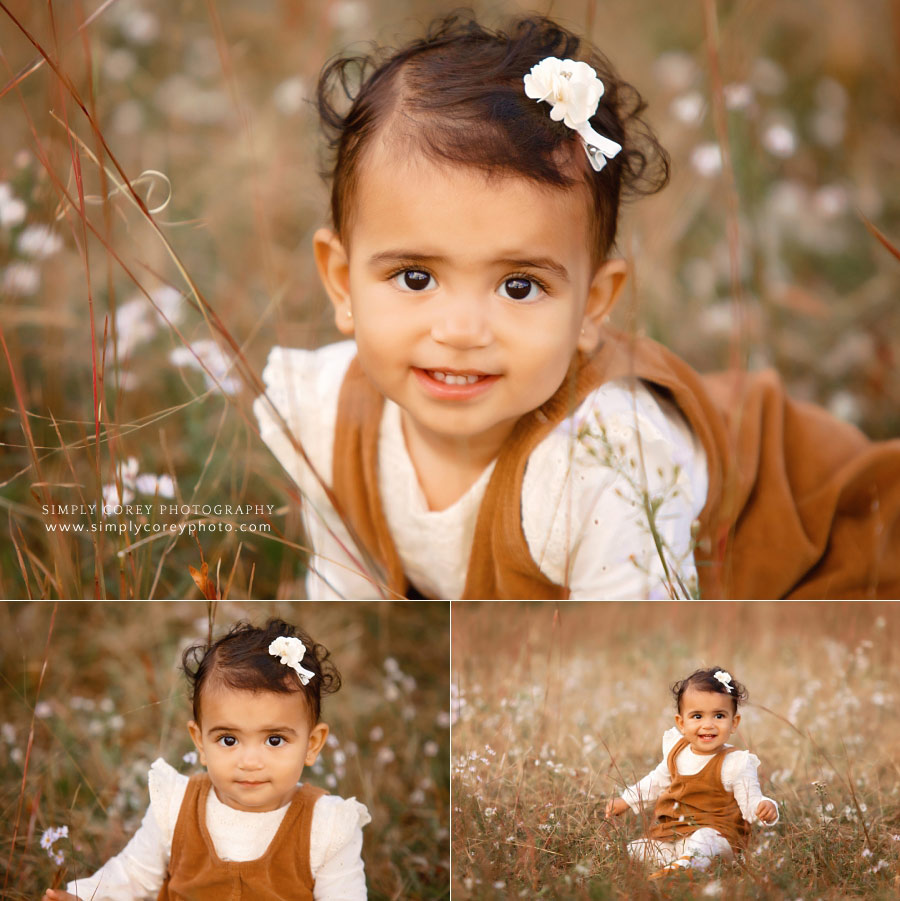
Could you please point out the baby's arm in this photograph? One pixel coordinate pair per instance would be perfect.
(741, 779)
(583, 509)
(134, 874)
(335, 851)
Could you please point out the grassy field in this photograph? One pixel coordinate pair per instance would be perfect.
(132, 338)
(90, 695)
(557, 708)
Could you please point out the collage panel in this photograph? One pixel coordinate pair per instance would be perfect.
(577, 771)
(99, 737)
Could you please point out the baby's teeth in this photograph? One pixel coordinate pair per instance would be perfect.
(451, 379)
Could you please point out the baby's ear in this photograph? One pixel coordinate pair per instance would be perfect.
(333, 264)
(606, 286)
(317, 736)
(197, 739)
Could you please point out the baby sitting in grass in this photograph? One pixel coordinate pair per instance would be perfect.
(706, 791)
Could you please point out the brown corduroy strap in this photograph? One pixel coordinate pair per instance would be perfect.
(196, 873)
(799, 504)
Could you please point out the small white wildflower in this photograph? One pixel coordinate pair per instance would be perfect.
(676, 70)
(49, 838)
(288, 96)
(339, 758)
(139, 27)
(207, 357)
(737, 95)
(489, 811)
(391, 692)
(169, 303)
(712, 889)
(866, 852)
(12, 210)
(8, 733)
(348, 14)
(153, 485)
(331, 780)
(119, 64)
(430, 749)
(190, 758)
(780, 140)
(21, 278)
(42, 711)
(417, 796)
(688, 108)
(706, 159)
(376, 733)
(38, 241)
(112, 498)
(385, 756)
(499, 884)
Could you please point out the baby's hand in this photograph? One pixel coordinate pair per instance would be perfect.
(767, 812)
(615, 807)
(57, 894)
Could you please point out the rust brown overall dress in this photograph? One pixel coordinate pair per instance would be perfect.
(697, 802)
(799, 504)
(196, 873)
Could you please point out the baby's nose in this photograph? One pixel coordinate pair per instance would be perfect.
(251, 759)
(462, 321)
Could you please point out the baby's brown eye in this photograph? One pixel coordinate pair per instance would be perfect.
(520, 289)
(413, 279)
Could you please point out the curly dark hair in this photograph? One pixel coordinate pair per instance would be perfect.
(241, 660)
(460, 88)
(705, 680)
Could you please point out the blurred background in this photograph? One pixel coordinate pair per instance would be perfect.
(558, 707)
(764, 260)
(91, 694)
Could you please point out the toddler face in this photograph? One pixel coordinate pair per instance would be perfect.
(255, 744)
(468, 296)
(706, 719)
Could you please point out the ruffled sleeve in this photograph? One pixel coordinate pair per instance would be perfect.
(303, 386)
(167, 787)
(335, 847)
(138, 871)
(658, 779)
(587, 488)
(739, 776)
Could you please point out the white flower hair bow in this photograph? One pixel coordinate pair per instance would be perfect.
(573, 89)
(724, 678)
(291, 651)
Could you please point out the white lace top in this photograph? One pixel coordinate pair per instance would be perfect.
(139, 870)
(738, 777)
(583, 512)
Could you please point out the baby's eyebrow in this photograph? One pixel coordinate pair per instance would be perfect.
(406, 256)
(284, 729)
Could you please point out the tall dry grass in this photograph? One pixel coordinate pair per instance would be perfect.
(558, 707)
(170, 149)
(91, 694)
